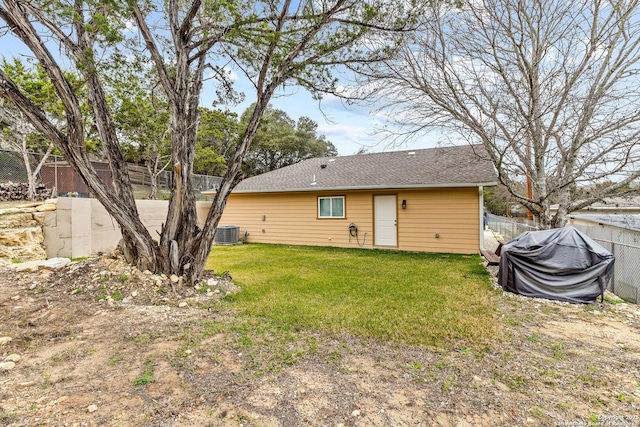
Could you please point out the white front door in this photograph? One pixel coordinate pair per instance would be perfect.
(384, 211)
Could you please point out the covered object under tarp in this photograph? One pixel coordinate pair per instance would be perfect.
(562, 264)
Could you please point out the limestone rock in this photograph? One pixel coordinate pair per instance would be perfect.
(15, 358)
(7, 366)
(54, 263)
(5, 340)
(48, 264)
(21, 236)
(40, 217)
(46, 207)
(18, 220)
(92, 408)
(9, 211)
(23, 253)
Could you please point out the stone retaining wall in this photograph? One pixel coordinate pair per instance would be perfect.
(21, 231)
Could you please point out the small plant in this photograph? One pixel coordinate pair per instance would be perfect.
(448, 384)
(46, 380)
(6, 415)
(102, 295)
(114, 361)
(548, 373)
(147, 377)
(465, 350)
(123, 278)
(533, 338)
(613, 300)
(141, 339)
(623, 398)
(223, 275)
(558, 352)
(414, 366)
(588, 379)
(116, 295)
(161, 291)
(104, 279)
(536, 412)
(516, 382)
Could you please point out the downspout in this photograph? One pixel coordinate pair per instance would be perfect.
(481, 199)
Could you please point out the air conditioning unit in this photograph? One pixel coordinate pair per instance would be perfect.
(227, 235)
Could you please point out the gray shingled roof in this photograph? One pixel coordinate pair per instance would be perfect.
(458, 166)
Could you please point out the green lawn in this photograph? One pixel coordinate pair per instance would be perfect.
(434, 300)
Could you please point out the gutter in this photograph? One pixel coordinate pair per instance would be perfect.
(360, 187)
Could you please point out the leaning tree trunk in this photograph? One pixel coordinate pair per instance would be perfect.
(153, 179)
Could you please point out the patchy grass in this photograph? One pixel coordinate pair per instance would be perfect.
(435, 300)
(147, 376)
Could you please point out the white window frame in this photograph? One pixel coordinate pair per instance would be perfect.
(331, 216)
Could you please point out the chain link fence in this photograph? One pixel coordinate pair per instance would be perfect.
(57, 174)
(624, 244)
(508, 228)
(12, 168)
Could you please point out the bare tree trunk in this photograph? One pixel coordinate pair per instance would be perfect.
(31, 178)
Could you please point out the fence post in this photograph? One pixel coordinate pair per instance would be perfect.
(55, 173)
(613, 271)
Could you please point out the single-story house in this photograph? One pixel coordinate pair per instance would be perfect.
(628, 205)
(420, 200)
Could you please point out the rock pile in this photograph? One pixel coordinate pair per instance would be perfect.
(21, 236)
(19, 191)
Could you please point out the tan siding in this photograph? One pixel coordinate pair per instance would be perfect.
(291, 218)
(452, 213)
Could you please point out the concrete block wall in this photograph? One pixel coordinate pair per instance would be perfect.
(82, 227)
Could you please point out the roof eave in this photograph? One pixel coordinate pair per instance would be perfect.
(363, 187)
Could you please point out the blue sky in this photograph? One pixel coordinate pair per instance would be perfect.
(348, 127)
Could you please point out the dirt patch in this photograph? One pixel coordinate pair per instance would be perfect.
(100, 343)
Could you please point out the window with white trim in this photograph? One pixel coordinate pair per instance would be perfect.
(331, 207)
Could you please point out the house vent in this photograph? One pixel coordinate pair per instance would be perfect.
(323, 166)
(411, 154)
(227, 234)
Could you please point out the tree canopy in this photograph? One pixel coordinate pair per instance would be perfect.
(280, 141)
(187, 44)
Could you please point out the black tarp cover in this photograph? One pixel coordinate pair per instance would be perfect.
(561, 264)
